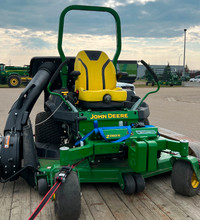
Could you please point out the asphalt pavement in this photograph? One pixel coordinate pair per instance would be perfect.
(176, 109)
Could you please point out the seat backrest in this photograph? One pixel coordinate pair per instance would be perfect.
(97, 71)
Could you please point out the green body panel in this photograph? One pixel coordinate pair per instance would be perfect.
(127, 66)
(164, 164)
(48, 169)
(106, 148)
(137, 156)
(152, 155)
(109, 171)
(106, 119)
(72, 155)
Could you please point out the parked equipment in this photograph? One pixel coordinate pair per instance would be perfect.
(166, 76)
(14, 76)
(89, 130)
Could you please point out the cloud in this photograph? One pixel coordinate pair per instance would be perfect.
(145, 13)
(160, 18)
(143, 2)
(140, 18)
(151, 29)
(114, 3)
(118, 3)
(20, 46)
(193, 34)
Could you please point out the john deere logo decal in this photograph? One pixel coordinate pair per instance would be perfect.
(109, 116)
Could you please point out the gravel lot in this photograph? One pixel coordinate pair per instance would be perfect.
(174, 108)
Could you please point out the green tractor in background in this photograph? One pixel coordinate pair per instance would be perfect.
(169, 77)
(166, 76)
(14, 76)
(89, 131)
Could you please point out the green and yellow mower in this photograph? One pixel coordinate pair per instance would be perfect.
(89, 131)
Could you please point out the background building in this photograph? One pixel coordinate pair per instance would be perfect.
(158, 69)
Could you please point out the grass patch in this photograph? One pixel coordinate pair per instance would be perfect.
(6, 86)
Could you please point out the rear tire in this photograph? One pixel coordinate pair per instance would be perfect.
(67, 202)
(14, 81)
(183, 179)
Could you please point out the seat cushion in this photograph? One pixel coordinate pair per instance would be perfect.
(97, 71)
(117, 95)
(97, 78)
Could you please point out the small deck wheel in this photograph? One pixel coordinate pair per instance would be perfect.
(67, 202)
(183, 179)
(129, 184)
(140, 183)
(42, 186)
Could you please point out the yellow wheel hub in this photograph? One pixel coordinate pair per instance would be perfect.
(194, 181)
(14, 82)
(54, 196)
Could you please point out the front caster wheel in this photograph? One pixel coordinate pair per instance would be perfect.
(129, 184)
(183, 179)
(140, 183)
(42, 186)
(67, 202)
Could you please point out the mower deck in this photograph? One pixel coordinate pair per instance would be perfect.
(108, 171)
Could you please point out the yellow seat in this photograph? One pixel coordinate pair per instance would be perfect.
(97, 78)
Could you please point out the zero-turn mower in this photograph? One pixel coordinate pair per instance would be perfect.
(89, 131)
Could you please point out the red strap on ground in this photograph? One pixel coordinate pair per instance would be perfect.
(45, 199)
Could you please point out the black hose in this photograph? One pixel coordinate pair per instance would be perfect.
(55, 75)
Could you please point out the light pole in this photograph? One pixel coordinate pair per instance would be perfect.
(183, 75)
(179, 68)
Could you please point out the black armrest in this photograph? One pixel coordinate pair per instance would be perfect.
(75, 74)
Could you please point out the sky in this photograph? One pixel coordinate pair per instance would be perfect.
(152, 30)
